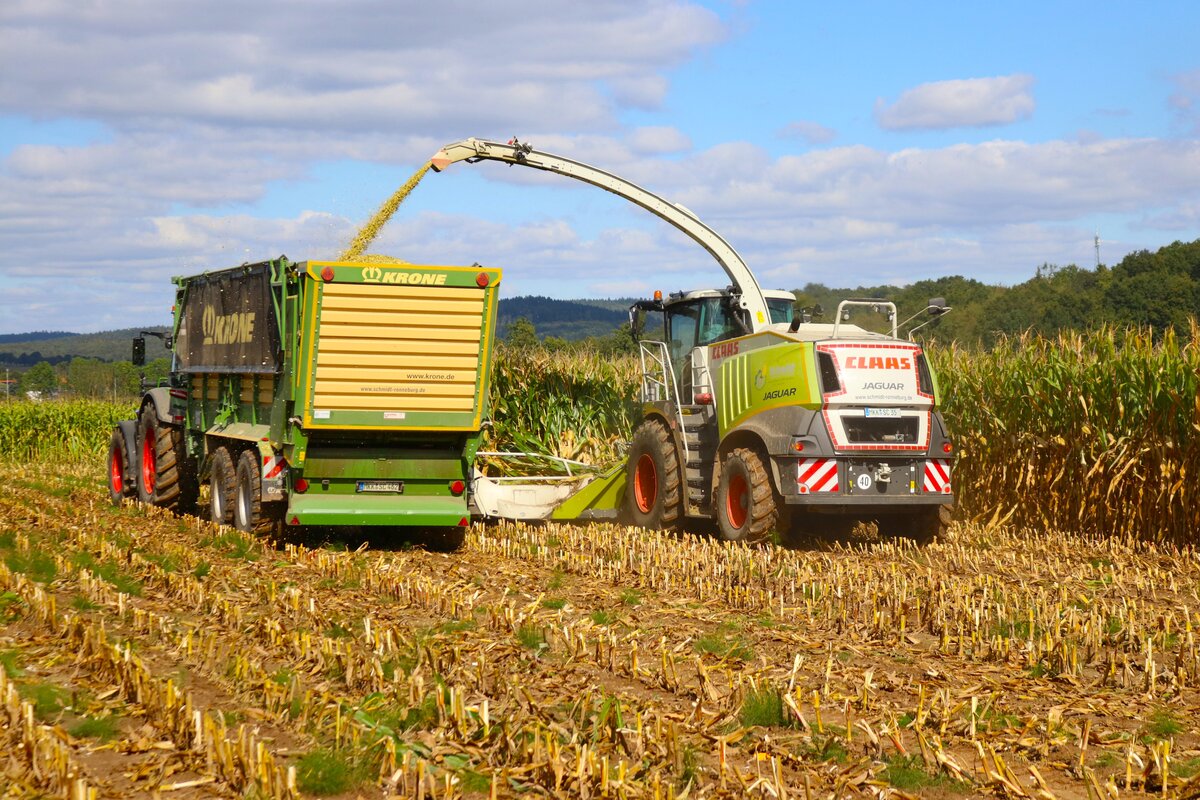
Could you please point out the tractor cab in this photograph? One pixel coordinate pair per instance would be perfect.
(694, 320)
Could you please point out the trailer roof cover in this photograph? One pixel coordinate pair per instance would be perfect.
(228, 323)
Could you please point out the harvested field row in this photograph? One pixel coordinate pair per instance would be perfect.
(584, 661)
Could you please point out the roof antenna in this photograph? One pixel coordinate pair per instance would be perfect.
(1097, 247)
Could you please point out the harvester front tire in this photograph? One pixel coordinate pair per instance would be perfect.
(652, 495)
(119, 487)
(250, 514)
(222, 483)
(747, 507)
(164, 476)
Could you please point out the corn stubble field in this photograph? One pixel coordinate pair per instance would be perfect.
(1048, 649)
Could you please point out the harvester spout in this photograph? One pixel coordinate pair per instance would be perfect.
(748, 293)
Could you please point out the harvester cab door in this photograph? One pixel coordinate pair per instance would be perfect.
(692, 325)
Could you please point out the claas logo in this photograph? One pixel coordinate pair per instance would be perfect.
(723, 350)
(878, 362)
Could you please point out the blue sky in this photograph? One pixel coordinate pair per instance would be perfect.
(846, 144)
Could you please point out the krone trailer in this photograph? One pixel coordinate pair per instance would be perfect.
(318, 393)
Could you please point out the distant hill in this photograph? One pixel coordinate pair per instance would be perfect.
(567, 319)
(23, 350)
(36, 336)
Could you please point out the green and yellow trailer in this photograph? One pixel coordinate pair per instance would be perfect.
(318, 393)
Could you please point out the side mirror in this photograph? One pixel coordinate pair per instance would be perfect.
(139, 351)
(637, 322)
(937, 306)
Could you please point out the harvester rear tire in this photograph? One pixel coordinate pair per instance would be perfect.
(747, 506)
(250, 513)
(222, 482)
(165, 477)
(119, 487)
(652, 496)
(933, 525)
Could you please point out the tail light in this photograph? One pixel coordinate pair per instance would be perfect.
(457, 487)
(301, 485)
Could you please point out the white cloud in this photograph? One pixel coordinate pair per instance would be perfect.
(807, 131)
(973, 102)
(658, 140)
(1185, 100)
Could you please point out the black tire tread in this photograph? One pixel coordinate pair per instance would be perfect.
(223, 478)
(262, 520)
(764, 511)
(654, 438)
(175, 485)
(117, 445)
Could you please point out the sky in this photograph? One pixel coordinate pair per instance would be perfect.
(839, 143)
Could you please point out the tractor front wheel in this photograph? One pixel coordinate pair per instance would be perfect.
(118, 468)
(652, 497)
(747, 506)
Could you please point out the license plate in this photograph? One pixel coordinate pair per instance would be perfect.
(392, 487)
(881, 412)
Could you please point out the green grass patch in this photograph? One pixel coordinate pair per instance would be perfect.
(47, 699)
(557, 580)
(726, 647)
(10, 662)
(764, 708)
(908, 773)
(1186, 769)
(38, 567)
(101, 728)
(110, 572)
(80, 602)
(533, 637)
(201, 571)
(602, 617)
(826, 748)
(11, 606)
(631, 597)
(327, 772)
(338, 631)
(555, 603)
(472, 782)
(455, 626)
(1163, 724)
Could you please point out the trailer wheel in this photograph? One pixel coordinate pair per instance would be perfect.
(118, 468)
(652, 477)
(747, 508)
(164, 474)
(222, 480)
(250, 513)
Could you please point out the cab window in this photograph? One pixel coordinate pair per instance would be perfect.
(780, 309)
(681, 331)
